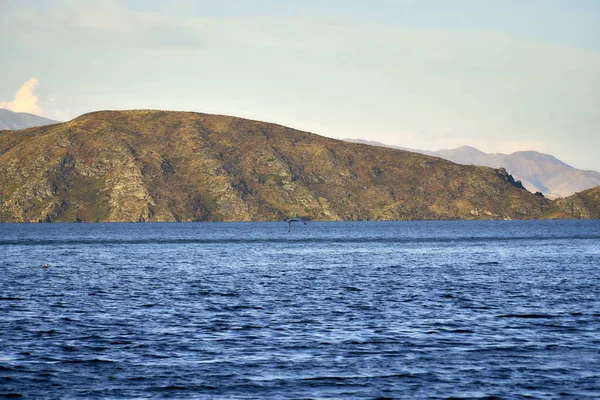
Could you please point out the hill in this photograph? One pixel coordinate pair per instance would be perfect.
(538, 172)
(176, 166)
(583, 205)
(19, 120)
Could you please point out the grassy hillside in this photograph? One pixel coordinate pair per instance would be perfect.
(177, 166)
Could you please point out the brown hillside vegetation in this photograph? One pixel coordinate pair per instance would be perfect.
(582, 205)
(179, 166)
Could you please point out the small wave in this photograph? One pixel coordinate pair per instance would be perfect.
(11, 298)
(469, 307)
(48, 332)
(362, 307)
(159, 356)
(324, 378)
(227, 294)
(171, 387)
(214, 293)
(11, 395)
(488, 263)
(461, 331)
(247, 327)
(530, 316)
(242, 307)
(138, 378)
(91, 361)
(391, 240)
(178, 387)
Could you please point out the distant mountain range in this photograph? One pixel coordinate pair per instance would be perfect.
(10, 120)
(538, 172)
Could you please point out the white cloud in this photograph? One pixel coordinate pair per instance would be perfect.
(25, 99)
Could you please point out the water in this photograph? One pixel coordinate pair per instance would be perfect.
(329, 310)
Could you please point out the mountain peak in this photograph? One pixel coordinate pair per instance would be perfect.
(462, 151)
(539, 157)
(464, 148)
(469, 148)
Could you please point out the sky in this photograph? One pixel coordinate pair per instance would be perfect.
(501, 76)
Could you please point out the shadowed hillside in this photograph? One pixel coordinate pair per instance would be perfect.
(177, 166)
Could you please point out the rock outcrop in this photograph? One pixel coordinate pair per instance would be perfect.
(503, 174)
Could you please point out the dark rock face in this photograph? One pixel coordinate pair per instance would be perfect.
(503, 174)
(175, 166)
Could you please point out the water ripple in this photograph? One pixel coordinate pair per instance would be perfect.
(243, 311)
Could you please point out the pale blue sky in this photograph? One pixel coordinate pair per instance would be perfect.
(501, 76)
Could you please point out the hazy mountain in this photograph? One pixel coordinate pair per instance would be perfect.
(18, 120)
(537, 171)
(176, 166)
(374, 143)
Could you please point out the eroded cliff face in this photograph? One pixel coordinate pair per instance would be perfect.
(176, 166)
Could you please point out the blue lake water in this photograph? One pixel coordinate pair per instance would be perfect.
(329, 310)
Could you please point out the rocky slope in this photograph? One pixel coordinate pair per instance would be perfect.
(583, 205)
(19, 120)
(176, 166)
